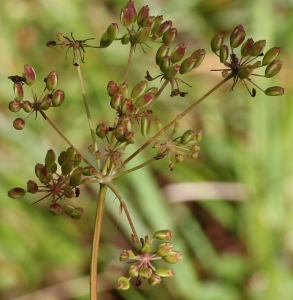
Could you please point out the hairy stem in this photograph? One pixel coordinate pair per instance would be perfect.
(176, 119)
(123, 204)
(96, 241)
(87, 109)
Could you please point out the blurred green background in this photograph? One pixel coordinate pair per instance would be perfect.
(231, 210)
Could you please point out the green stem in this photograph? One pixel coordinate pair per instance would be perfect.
(64, 137)
(129, 62)
(123, 204)
(133, 169)
(96, 242)
(175, 120)
(87, 109)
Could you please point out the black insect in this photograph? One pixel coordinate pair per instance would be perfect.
(17, 78)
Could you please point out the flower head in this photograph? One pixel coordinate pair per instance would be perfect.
(241, 68)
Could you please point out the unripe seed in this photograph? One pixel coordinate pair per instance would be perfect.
(187, 65)
(50, 158)
(55, 209)
(169, 36)
(29, 74)
(143, 35)
(171, 72)
(102, 130)
(164, 273)
(162, 51)
(217, 42)
(187, 137)
(88, 171)
(163, 234)
(145, 273)
(173, 257)
(273, 68)
(224, 53)
(19, 124)
(145, 125)
(142, 15)
(112, 88)
(158, 22)
(127, 107)
(123, 283)
(245, 71)
(67, 167)
(125, 39)
(123, 88)
(164, 249)
(16, 193)
(274, 91)
(139, 89)
(46, 102)
(199, 55)
(112, 31)
(237, 36)
(32, 187)
(144, 100)
(258, 48)
(270, 55)
(247, 47)
(58, 98)
(155, 279)
(51, 81)
(161, 29)
(116, 100)
(178, 53)
(15, 106)
(105, 40)
(18, 91)
(133, 270)
(27, 106)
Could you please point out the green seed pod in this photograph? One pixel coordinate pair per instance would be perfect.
(274, 91)
(123, 283)
(144, 100)
(258, 48)
(187, 137)
(29, 74)
(164, 273)
(70, 153)
(145, 273)
(163, 234)
(162, 51)
(126, 254)
(55, 209)
(199, 136)
(120, 131)
(15, 106)
(73, 212)
(112, 31)
(16, 193)
(112, 88)
(18, 123)
(273, 68)
(139, 89)
(129, 137)
(68, 192)
(171, 72)
(32, 187)
(75, 177)
(50, 158)
(125, 39)
(67, 167)
(88, 171)
(42, 173)
(161, 29)
(62, 158)
(51, 81)
(133, 270)
(173, 257)
(237, 36)
(270, 55)
(127, 107)
(58, 98)
(145, 125)
(187, 65)
(165, 63)
(158, 22)
(18, 91)
(116, 100)
(217, 42)
(102, 130)
(245, 71)
(247, 47)
(164, 249)
(142, 15)
(128, 14)
(177, 53)
(123, 88)
(105, 40)
(169, 36)
(77, 159)
(179, 158)
(224, 53)
(143, 35)
(149, 22)
(155, 279)
(199, 56)
(53, 168)
(27, 106)
(125, 121)
(91, 148)
(46, 102)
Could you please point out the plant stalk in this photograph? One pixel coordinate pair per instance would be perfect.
(96, 242)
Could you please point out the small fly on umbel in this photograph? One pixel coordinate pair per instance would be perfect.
(17, 78)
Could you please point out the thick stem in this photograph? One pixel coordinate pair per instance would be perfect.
(175, 120)
(96, 242)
